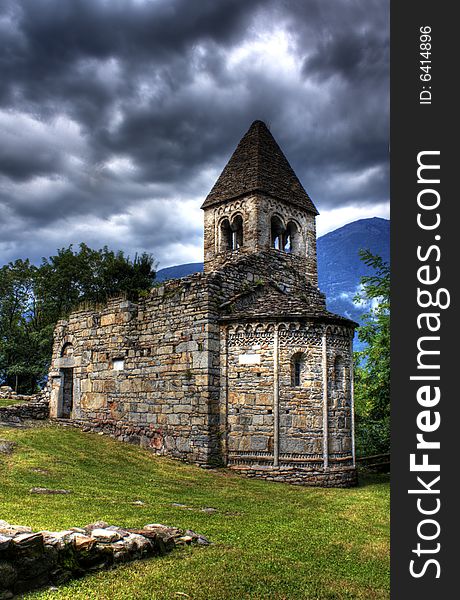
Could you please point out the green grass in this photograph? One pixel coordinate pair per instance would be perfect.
(10, 401)
(271, 540)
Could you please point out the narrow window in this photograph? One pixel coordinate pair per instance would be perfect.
(277, 230)
(290, 238)
(226, 240)
(297, 367)
(237, 232)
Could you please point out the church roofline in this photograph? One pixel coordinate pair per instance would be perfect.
(327, 317)
(256, 190)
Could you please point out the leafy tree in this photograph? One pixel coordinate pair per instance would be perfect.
(33, 298)
(20, 344)
(372, 364)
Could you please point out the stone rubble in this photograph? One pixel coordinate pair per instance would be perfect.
(42, 490)
(30, 560)
(7, 447)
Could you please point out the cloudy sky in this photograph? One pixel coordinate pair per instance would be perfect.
(117, 116)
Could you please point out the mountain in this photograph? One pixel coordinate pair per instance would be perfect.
(178, 271)
(339, 266)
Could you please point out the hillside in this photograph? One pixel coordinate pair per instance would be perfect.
(269, 540)
(339, 267)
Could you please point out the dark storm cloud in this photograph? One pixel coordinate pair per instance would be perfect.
(111, 112)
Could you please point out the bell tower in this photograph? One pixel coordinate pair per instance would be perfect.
(259, 205)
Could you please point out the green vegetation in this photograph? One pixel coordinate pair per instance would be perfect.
(270, 540)
(372, 365)
(10, 401)
(33, 298)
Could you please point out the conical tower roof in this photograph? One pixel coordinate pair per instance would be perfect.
(259, 165)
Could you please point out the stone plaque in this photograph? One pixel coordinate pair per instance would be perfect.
(249, 359)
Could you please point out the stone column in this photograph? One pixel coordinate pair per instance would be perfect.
(352, 404)
(325, 402)
(224, 391)
(276, 399)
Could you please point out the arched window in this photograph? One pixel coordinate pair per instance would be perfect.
(225, 236)
(231, 234)
(277, 229)
(290, 237)
(237, 232)
(67, 349)
(297, 368)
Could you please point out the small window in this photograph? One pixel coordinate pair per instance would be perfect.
(290, 238)
(226, 236)
(67, 350)
(237, 232)
(277, 229)
(118, 364)
(297, 367)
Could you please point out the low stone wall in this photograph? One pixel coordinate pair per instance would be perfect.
(345, 477)
(31, 560)
(141, 434)
(29, 410)
(7, 392)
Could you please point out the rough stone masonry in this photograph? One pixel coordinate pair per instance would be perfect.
(31, 560)
(241, 365)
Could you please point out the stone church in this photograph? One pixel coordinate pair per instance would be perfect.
(241, 365)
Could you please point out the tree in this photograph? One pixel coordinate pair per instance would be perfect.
(33, 298)
(21, 345)
(372, 364)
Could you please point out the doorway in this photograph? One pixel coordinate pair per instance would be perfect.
(67, 393)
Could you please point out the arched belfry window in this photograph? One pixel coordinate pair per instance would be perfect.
(225, 236)
(297, 368)
(231, 234)
(237, 232)
(285, 237)
(290, 237)
(277, 230)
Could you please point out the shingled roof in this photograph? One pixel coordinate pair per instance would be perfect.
(259, 165)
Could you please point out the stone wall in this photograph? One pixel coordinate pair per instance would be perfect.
(340, 477)
(8, 393)
(20, 412)
(35, 406)
(151, 365)
(169, 371)
(31, 560)
(270, 420)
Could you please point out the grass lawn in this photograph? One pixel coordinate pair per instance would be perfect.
(10, 401)
(271, 540)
